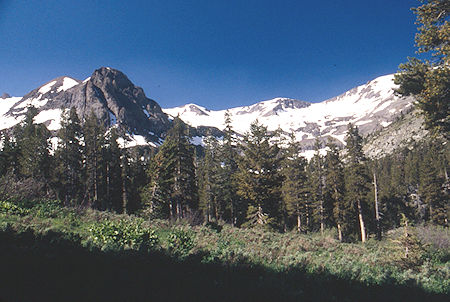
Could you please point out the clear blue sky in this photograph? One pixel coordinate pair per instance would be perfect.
(214, 53)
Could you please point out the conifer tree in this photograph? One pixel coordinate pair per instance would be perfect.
(94, 142)
(113, 175)
(226, 176)
(259, 179)
(357, 182)
(430, 188)
(294, 187)
(317, 184)
(125, 176)
(174, 179)
(138, 159)
(33, 143)
(429, 80)
(335, 187)
(67, 176)
(9, 154)
(209, 198)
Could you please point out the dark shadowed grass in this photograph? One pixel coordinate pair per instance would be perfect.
(54, 268)
(53, 253)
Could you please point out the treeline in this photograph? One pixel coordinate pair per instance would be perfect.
(85, 165)
(259, 180)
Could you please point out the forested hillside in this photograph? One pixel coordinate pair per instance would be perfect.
(259, 181)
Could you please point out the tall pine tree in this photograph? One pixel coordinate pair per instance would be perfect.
(335, 187)
(294, 188)
(259, 179)
(174, 180)
(357, 181)
(67, 175)
(33, 143)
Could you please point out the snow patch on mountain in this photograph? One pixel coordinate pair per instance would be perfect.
(47, 87)
(67, 84)
(51, 117)
(370, 107)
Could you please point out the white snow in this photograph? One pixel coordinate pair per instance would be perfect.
(197, 140)
(10, 121)
(35, 102)
(134, 140)
(67, 84)
(7, 104)
(146, 113)
(52, 115)
(87, 79)
(47, 87)
(355, 106)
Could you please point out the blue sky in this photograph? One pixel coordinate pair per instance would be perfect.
(217, 54)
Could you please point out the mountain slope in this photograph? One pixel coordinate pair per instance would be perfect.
(371, 106)
(407, 130)
(115, 100)
(108, 93)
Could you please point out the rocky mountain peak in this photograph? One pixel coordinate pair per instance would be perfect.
(5, 96)
(108, 93)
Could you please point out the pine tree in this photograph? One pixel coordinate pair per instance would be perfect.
(34, 146)
(317, 185)
(138, 159)
(9, 154)
(294, 187)
(430, 188)
(335, 187)
(67, 176)
(94, 142)
(226, 176)
(112, 154)
(376, 201)
(174, 180)
(429, 80)
(209, 198)
(357, 182)
(259, 179)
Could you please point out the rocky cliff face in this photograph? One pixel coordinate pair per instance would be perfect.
(108, 93)
(405, 132)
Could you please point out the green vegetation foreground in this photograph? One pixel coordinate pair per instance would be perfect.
(55, 253)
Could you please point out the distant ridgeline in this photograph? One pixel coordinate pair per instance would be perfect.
(116, 101)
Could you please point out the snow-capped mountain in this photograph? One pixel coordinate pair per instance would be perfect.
(371, 106)
(108, 93)
(114, 99)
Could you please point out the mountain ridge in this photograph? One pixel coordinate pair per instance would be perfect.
(371, 106)
(115, 100)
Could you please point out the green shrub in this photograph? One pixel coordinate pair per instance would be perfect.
(180, 242)
(47, 209)
(8, 207)
(122, 234)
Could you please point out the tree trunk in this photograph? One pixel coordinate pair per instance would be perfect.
(377, 213)
(95, 182)
(322, 226)
(232, 214)
(124, 194)
(108, 194)
(339, 232)
(307, 219)
(299, 223)
(361, 222)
